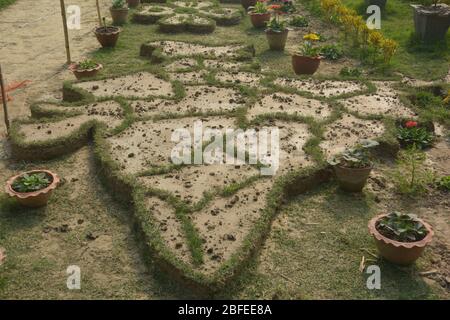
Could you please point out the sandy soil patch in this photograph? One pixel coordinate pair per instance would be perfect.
(109, 113)
(225, 65)
(181, 64)
(439, 156)
(190, 183)
(148, 144)
(384, 101)
(194, 77)
(347, 131)
(291, 104)
(197, 99)
(175, 48)
(104, 109)
(245, 78)
(194, 5)
(225, 222)
(141, 85)
(170, 227)
(325, 88)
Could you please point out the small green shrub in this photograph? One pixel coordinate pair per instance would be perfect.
(426, 99)
(356, 157)
(331, 52)
(86, 64)
(299, 21)
(444, 183)
(401, 227)
(31, 182)
(350, 72)
(118, 4)
(411, 176)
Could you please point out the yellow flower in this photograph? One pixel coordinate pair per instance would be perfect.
(375, 38)
(447, 98)
(311, 37)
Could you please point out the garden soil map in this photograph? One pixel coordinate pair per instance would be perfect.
(200, 224)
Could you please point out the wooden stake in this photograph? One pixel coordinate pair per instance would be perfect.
(99, 15)
(4, 100)
(66, 33)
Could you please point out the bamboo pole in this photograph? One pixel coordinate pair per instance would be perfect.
(4, 100)
(98, 13)
(66, 33)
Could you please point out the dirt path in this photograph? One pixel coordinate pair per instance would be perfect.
(32, 47)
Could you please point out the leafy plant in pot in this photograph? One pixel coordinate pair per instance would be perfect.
(259, 14)
(85, 69)
(119, 12)
(276, 31)
(32, 188)
(307, 59)
(400, 238)
(107, 36)
(353, 166)
(431, 19)
(411, 133)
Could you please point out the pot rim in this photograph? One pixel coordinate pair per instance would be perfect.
(276, 32)
(118, 30)
(356, 169)
(258, 14)
(24, 195)
(300, 56)
(73, 68)
(119, 9)
(408, 245)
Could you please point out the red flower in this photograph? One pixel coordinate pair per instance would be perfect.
(411, 124)
(275, 6)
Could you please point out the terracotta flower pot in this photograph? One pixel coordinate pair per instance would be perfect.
(119, 16)
(248, 3)
(277, 40)
(352, 179)
(133, 3)
(86, 73)
(431, 23)
(403, 253)
(107, 36)
(33, 199)
(259, 20)
(305, 65)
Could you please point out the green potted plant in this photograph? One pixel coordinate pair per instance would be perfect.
(107, 35)
(307, 59)
(85, 69)
(259, 14)
(411, 133)
(431, 19)
(32, 188)
(133, 3)
(400, 238)
(276, 31)
(353, 166)
(119, 12)
(248, 3)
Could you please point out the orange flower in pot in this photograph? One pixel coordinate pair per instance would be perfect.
(308, 58)
(400, 238)
(32, 188)
(276, 31)
(259, 14)
(353, 166)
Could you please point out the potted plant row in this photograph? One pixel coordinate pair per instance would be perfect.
(400, 238)
(32, 188)
(307, 59)
(353, 166)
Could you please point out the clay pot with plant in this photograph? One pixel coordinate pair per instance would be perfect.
(353, 166)
(133, 3)
(400, 238)
(32, 188)
(248, 3)
(119, 12)
(85, 69)
(431, 19)
(259, 14)
(307, 59)
(276, 31)
(107, 35)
